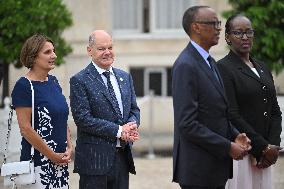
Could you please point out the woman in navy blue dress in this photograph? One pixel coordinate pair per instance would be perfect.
(50, 136)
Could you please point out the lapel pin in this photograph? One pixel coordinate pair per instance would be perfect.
(120, 79)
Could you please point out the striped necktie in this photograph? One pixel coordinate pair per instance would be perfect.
(114, 101)
(112, 93)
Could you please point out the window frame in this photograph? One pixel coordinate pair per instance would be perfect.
(154, 32)
(139, 20)
(147, 72)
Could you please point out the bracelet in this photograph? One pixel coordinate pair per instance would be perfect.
(266, 149)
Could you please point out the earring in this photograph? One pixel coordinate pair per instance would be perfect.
(229, 43)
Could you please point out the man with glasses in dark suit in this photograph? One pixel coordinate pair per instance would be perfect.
(204, 139)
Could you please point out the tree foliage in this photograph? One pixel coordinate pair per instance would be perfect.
(21, 19)
(267, 18)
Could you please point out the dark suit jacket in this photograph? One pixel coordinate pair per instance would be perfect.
(253, 104)
(202, 131)
(97, 121)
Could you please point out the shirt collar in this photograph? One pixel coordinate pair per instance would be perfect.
(201, 51)
(101, 70)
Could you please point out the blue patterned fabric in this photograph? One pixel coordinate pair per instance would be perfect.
(51, 114)
(97, 120)
(111, 93)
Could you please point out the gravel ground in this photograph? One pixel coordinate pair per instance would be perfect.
(157, 173)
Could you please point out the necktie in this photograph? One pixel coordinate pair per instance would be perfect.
(211, 62)
(112, 94)
(114, 101)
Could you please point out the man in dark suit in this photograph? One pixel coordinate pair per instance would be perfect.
(203, 151)
(103, 105)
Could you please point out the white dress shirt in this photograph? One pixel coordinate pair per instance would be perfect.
(116, 91)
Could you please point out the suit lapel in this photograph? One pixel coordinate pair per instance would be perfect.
(121, 80)
(210, 75)
(203, 65)
(94, 75)
(220, 82)
(246, 69)
(260, 72)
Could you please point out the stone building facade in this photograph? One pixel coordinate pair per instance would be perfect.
(147, 39)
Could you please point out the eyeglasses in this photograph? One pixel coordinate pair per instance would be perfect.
(215, 24)
(240, 34)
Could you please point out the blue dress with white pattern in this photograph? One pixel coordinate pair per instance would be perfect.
(51, 114)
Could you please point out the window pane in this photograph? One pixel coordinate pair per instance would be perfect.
(156, 83)
(138, 80)
(158, 79)
(168, 13)
(126, 15)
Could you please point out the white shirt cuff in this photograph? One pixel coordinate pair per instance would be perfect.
(118, 135)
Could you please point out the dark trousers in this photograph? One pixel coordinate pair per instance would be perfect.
(200, 187)
(118, 178)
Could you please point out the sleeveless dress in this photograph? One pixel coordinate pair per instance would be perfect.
(51, 114)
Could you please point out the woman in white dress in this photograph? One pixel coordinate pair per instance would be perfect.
(253, 106)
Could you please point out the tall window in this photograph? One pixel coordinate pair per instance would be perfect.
(167, 14)
(148, 16)
(127, 16)
(145, 79)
